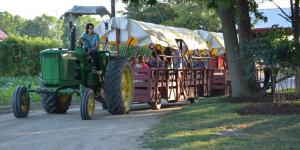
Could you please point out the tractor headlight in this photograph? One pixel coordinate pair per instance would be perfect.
(107, 54)
(68, 56)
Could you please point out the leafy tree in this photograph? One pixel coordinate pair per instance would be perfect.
(158, 13)
(294, 18)
(11, 24)
(177, 13)
(272, 49)
(194, 16)
(42, 26)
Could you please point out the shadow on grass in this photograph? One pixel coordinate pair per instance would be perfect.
(248, 99)
(270, 109)
(214, 124)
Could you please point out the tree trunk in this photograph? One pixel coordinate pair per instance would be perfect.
(244, 30)
(296, 34)
(239, 87)
(296, 26)
(244, 22)
(297, 83)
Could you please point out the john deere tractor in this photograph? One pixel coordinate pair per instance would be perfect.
(68, 72)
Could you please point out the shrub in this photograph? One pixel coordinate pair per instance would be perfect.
(8, 85)
(20, 55)
(273, 49)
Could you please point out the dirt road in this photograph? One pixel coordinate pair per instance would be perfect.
(41, 131)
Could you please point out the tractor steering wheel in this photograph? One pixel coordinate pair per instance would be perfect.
(85, 43)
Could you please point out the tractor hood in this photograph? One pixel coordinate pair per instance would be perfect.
(64, 53)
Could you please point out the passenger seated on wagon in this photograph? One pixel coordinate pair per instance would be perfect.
(167, 63)
(142, 63)
(169, 60)
(177, 60)
(133, 62)
(186, 62)
(155, 61)
(198, 64)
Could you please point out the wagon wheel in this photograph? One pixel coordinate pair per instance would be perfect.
(155, 105)
(21, 102)
(191, 100)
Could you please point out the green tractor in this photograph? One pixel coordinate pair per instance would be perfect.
(65, 72)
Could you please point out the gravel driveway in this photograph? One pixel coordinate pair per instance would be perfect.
(42, 131)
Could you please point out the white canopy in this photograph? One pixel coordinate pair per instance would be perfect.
(110, 33)
(214, 40)
(144, 34)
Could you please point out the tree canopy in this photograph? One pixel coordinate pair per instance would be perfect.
(43, 26)
(40, 26)
(176, 13)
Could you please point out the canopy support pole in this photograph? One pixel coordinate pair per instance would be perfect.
(126, 51)
(118, 40)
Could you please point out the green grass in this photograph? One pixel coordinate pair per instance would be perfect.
(214, 124)
(8, 85)
(286, 91)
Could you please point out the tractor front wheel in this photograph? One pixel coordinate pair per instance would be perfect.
(118, 86)
(21, 102)
(87, 104)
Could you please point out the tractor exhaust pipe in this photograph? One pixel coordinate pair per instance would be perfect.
(113, 8)
(72, 36)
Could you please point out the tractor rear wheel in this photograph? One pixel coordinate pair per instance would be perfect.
(118, 86)
(21, 102)
(55, 104)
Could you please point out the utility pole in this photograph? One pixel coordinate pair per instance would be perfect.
(113, 13)
(113, 8)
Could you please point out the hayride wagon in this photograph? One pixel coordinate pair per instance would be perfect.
(177, 75)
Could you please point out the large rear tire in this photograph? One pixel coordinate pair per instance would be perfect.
(55, 104)
(118, 86)
(21, 102)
